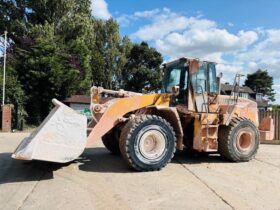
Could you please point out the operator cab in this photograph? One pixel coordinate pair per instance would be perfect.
(185, 77)
(176, 75)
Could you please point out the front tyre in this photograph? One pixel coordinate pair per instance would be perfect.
(111, 140)
(147, 142)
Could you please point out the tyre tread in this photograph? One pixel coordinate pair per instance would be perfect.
(126, 134)
(224, 144)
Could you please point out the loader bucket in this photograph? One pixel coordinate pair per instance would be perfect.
(60, 138)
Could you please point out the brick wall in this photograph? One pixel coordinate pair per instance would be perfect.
(6, 118)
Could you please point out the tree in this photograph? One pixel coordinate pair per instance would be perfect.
(276, 107)
(261, 82)
(50, 51)
(125, 49)
(44, 72)
(58, 49)
(13, 18)
(142, 70)
(14, 94)
(106, 54)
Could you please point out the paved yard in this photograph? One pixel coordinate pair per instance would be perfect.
(99, 180)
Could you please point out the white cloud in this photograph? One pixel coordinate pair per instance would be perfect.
(124, 20)
(277, 93)
(265, 54)
(147, 13)
(163, 22)
(252, 65)
(276, 89)
(100, 9)
(205, 42)
(229, 71)
(176, 35)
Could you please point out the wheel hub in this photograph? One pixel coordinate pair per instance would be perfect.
(245, 140)
(152, 144)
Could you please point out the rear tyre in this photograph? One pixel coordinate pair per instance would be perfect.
(147, 143)
(239, 141)
(111, 141)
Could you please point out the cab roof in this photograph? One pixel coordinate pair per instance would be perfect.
(183, 60)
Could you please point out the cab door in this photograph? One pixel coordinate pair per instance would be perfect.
(199, 85)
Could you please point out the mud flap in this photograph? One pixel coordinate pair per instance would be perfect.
(60, 138)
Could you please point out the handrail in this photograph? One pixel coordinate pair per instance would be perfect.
(206, 109)
(235, 97)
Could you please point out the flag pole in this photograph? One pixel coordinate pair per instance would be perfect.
(4, 68)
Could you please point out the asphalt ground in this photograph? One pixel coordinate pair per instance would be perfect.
(100, 180)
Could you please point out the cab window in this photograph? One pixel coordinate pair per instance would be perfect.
(172, 79)
(212, 80)
(199, 79)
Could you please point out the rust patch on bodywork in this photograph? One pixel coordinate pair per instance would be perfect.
(194, 66)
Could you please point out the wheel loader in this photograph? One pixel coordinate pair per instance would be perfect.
(146, 129)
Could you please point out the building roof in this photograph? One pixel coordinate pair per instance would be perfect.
(78, 99)
(242, 89)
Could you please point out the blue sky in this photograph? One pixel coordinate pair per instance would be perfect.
(240, 35)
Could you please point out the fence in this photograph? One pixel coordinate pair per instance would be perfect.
(275, 115)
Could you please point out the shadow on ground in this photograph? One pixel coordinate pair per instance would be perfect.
(191, 157)
(92, 160)
(23, 171)
(101, 160)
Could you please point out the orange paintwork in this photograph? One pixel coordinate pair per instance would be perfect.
(243, 108)
(266, 129)
(221, 110)
(114, 111)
